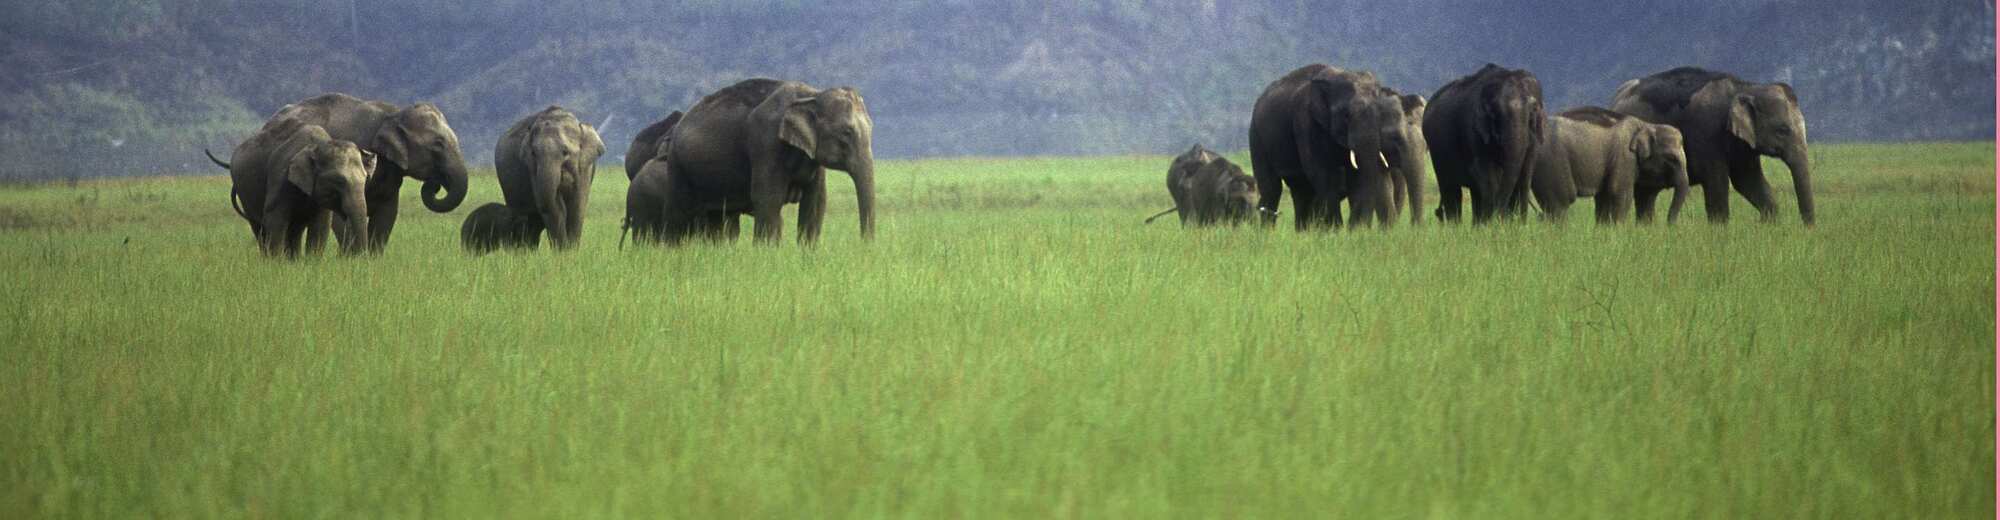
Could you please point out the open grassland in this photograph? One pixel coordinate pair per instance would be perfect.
(1014, 343)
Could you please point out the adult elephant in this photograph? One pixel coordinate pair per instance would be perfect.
(290, 174)
(413, 142)
(1330, 135)
(546, 163)
(1728, 124)
(764, 143)
(649, 143)
(1483, 130)
(1409, 175)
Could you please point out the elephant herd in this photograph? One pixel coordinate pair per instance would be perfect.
(1333, 136)
(335, 164)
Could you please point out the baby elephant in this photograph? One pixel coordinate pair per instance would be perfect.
(1591, 151)
(1209, 190)
(290, 174)
(494, 226)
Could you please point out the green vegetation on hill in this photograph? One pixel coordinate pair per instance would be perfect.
(135, 87)
(1014, 343)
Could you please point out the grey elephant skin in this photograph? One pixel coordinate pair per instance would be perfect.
(546, 163)
(291, 174)
(1409, 175)
(414, 142)
(1208, 190)
(648, 144)
(646, 213)
(761, 144)
(1728, 123)
(1330, 135)
(1483, 130)
(494, 226)
(1616, 158)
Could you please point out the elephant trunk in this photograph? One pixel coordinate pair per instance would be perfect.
(355, 210)
(452, 182)
(1801, 181)
(1680, 194)
(1410, 165)
(863, 172)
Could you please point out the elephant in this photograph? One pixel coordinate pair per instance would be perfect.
(494, 226)
(1409, 178)
(649, 143)
(413, 142)
(546, 163)
(1590, 151)
(1331, 135)
(646, 218)
(1728, 123)
(1208, 190)
(762, 143)
(1483, 130)
(290, 174)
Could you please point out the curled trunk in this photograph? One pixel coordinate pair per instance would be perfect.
(452, 182)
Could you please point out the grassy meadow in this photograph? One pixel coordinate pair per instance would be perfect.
(1014, 344)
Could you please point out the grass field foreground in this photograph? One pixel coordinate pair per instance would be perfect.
(1014, 343)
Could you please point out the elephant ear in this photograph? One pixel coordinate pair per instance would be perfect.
(1642, 144)
(1413, 106)
(1743, 119)
(796, 128)
(1333, 99)
(393, 143)
(593, 145)
(299, 170)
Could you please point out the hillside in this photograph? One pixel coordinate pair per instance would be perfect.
(124, 87)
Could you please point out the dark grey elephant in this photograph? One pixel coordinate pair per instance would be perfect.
(649, 143)
(291, 174)
(1728, 123)
(761, 144)
(1330, 135)
(646, 213)
(1209, 190)
(1483, 130)
(414, 142)
(546, 163)
(494, 226)
(1592, 151)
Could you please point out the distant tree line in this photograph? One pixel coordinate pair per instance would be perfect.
(127, 87)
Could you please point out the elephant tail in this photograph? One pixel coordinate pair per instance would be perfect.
(1149, 220)
(236, 203)
(211, 157)
(624, 229)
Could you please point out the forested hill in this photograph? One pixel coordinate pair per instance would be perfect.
(125, 87)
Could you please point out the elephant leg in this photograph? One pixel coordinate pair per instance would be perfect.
(272, 238)
(382, 202)
(732, 226)
(1270, 188)
(812, 210)
(1613, 205)
(1305, 210)
(1643, 200)
(294, 235)
(1746, 173)
(1714, 182)
(1450, 201)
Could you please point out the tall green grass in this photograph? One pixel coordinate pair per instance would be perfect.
(1014, 343)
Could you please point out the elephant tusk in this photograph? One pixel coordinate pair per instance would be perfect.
(1350, 160)
(1385, 159)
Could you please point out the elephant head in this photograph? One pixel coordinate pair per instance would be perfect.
(1510, 123)
(420, 144)
(832, 128)
(1662, 158)
(1766, 118)
(1368, 121)
(554, 145)
(1239, 195)
(334, 174)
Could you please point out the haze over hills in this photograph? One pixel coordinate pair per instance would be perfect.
(133, 87)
